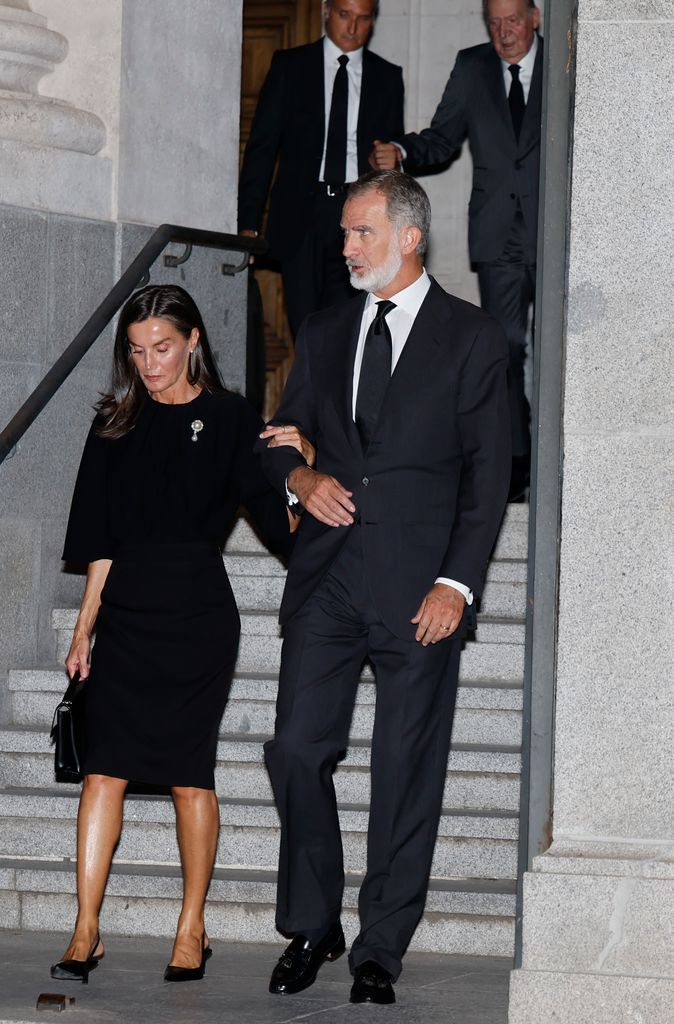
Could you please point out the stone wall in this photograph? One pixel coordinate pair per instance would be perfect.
(598, 905)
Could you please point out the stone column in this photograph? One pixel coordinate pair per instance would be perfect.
(599, 905)
(47, 146)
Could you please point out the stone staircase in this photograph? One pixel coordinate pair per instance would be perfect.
(471, 902)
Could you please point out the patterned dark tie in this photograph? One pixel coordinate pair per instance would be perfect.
(335, 150)
(375, 373)
(516, 99)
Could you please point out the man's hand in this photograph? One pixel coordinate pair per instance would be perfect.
(249, 233)
(439, 614)
(322, 496)
(384, 156)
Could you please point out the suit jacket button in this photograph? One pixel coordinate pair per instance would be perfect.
(365, 481)
(518, 165)
(513, 196)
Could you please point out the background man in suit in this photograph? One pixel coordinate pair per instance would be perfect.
(494, 98)
(320, 110)
(403, 390)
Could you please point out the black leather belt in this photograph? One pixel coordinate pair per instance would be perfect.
(331, 190)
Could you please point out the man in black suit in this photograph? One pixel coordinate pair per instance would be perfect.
(403, 391)
(320, 109)
(493, 98)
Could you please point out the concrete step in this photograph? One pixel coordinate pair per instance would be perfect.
(485, 715)
(469, 845)
(477, 778)
(475, 914)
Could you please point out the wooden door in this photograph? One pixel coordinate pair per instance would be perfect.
(270, 25)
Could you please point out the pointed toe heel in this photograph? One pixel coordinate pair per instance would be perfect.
(78, 970)
(189, 973)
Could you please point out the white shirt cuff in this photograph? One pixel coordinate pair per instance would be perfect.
(401, 150)
(466, 591)
(291, 497)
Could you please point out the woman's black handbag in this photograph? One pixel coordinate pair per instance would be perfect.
(67, 733)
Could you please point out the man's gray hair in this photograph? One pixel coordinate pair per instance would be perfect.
(485, 7)
(406, 201)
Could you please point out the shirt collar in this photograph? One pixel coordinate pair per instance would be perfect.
(410, 298)
(332, 53)
(527, 62)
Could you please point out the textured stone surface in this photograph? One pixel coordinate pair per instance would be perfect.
(467, 857)
(588, 910)
(129, 982)
(570, 998)
(608, 857)
(23, 317)
(55, 180)
(599, 925)
(615, 714)
(179, 139)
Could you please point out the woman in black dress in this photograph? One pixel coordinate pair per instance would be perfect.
(168, 460)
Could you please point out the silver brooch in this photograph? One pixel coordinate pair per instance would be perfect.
(196, 426)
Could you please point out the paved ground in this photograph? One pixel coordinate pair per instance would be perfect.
(128, 988)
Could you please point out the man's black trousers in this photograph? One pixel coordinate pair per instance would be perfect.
(507, 289)
(315, 275)
(324, 647)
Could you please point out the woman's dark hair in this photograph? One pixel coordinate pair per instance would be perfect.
(119, 408)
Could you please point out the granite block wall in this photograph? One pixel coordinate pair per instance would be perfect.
(598, 905)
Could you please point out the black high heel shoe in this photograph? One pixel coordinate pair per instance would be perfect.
(77, 970)
(190, 973)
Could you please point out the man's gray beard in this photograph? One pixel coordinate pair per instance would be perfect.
(375, 279)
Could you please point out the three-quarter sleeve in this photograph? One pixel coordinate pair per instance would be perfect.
(265, 505)
(88, 536)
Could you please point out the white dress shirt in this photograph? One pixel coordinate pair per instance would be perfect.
(400, 320)
(354, 71)
(526, 70)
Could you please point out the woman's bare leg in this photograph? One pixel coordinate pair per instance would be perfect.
(197, 823)
(99, 824)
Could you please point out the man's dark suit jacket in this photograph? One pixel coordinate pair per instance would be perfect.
(431, 489)
(290, 122)
(475, 104)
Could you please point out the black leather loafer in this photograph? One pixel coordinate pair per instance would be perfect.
(372, 984)
(299, 965)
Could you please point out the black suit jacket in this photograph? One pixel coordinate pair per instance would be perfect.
(505, 171)
(290, 123)
(431, 489)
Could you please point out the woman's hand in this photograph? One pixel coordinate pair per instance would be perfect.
(80, 647)
(77, 659)
(280, 435)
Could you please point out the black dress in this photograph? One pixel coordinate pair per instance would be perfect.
(160, 505)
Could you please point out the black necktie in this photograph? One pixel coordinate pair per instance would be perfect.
(375, 373)
(335, 150)
(516, 99)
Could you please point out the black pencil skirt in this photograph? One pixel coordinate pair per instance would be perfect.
(167, 636)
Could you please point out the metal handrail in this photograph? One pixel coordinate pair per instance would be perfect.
(116, 297)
